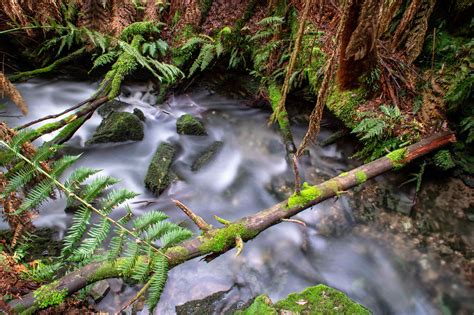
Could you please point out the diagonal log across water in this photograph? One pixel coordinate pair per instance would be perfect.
(217, 241)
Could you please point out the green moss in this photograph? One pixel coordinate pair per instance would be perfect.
(307, 194)
(190, 125)
(107, 270)
(344, 105)
(139, 28)
(49, 295)
(262, 305)
(397, 157)
(274, 94)
(179, 254)
(320, 299)
(361, 177)
(343, 174)
(207, 155)
(219, 240)
(333, 185)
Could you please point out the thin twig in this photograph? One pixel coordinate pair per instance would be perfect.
(201, 224)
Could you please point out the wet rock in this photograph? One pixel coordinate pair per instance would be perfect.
(190, 125)
(204, 306)
(159, 174)
(207, 155)
(118, 127)
(138, 112)
(99, 290)
(111, 106)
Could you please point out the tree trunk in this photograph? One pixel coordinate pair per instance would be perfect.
(218, 241)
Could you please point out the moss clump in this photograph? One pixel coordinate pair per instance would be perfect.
(179, 254)
(159, 174)
(261, 305)
(344, 105)
(49, 295)
(218, 240)
(333, 185)
(207, 155)
(118, 127)
(343, 174)
(306, 195)
(190, 125)
(274, 94)
(397, 157)
(361, 177)
(319, 299)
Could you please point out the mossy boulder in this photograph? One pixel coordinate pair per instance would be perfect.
(118, 127)
(159, 174)
(207, 155)
(319, 299)
(190, 125)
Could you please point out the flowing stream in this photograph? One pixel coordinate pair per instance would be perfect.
(237, 183)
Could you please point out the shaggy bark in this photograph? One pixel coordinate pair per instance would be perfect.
(249, 227)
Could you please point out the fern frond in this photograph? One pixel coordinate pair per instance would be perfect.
(62, 164)
(369, 128)
(97, 186)
(147, 219)
(175, 236)
(20, 138)
(157, 230)
(116, 246)
(132, 254)
(19, 179)
(157, 281)
(275, 20)
(115, 198)
(78, 177)
(96, 236)
(36, 196)
(444, 160)
(105, 59)
(77, 230)
(142, 268)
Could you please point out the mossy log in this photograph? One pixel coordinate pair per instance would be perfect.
(220, 240)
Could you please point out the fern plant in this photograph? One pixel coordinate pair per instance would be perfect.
(210, 49)
(138, 252)
(377, 132)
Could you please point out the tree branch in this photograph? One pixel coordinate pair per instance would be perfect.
(217, 241)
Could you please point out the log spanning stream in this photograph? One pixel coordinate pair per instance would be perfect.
(240, 180)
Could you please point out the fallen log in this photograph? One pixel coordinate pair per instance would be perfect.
(216, 241)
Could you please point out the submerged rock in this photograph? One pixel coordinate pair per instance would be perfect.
(190, 125)
(319, 299)
(159, 174)
(139, 113)
(207, 155)
(118, 127)
(99, 290)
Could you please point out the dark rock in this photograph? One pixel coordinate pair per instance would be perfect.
(159, 174)
(207, 155)
(118, 127)
(138, 112)
(190, 125)
(111, 106)
(99, 290)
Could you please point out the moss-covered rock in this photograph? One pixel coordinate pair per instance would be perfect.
(207, 155)
(319, 299)
(344, 105)
(190, 125)
(159, 174)
(118, 127)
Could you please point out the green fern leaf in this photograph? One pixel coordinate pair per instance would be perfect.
(147, 219)
(157, 281)
(175, 236)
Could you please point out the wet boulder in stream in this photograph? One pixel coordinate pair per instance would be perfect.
(159, 174)
(207, 155)
(118, 127)
(190, 125)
